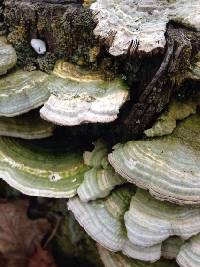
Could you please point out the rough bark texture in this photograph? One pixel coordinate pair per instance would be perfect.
(65, 26)
(182, 46)
(2, 26)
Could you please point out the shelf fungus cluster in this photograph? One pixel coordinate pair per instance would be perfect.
(79, 96)
(68, 96)
(101, 178)
(43, 168)
(140, 25)
(140, 199)
(132, 226)
(103, 221)
(167, 166)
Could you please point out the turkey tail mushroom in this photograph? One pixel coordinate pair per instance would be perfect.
(79, 97)
(167, 166)
(98, 183)
(39, 170)
(171, 247)
(103, 221)
(111, 259)
(101, 179)
(22, 91)
(189, 255)
(95, 157)
(150, 221)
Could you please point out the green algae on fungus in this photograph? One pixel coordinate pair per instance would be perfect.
(8, 57)
(26, 126)
(167, 166)
(36, 170)
(166, 123)
(79, 97)
(22, 91)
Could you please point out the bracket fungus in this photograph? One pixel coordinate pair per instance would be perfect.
(22, 91)
(103, 221)
(98, 183)
(111, 259)
(150, 221)
(101, 179)
(139, 202)
(8, 57)
(129, 26)
(79, 96)
(39, 170)
(189, 255)
(95, 157)
(26, 126)
(167, 166)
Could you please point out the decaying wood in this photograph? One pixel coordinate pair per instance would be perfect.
(67, 28)
(182, 46)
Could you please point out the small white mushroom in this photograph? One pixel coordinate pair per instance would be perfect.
(39, 46)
